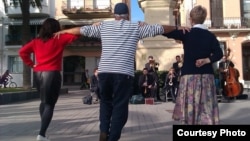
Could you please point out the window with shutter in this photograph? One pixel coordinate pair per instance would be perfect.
(216, 8)
(245, 12)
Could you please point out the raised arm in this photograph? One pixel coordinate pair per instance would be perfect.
(75, 31)
(169, 28)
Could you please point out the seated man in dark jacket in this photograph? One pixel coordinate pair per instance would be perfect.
(146, 84)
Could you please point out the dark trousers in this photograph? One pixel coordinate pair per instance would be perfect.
(172, 92)
(115, 91)
(84, 85)
(146, 92)
(157, 92)
(222, 85)
(48, 86)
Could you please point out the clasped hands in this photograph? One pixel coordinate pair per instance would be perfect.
(146, 85)
(201, 62)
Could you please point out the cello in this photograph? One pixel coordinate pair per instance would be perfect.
(233, 87)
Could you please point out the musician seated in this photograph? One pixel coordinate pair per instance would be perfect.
(152, 67)
(223, 68)
(171, 84)
(146, 84)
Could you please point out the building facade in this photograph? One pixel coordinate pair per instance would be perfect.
(230, 22)
(1, 38)
(232, 28)
(161, 48)
(11, 34)
(78, 56)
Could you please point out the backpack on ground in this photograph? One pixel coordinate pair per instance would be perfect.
(137, 99)
(87, 99)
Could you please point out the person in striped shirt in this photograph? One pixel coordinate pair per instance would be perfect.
(116, 68)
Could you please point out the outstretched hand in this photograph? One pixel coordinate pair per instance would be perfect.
(142, 23)
(184, 29)
(96, 24)
(57, 34)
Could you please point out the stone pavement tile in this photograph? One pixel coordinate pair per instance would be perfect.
(75, 121)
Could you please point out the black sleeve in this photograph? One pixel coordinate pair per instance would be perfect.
(231, 64)
(151, 80)
(93, 84)
(140, 82)
(176, 34)
(217, 53)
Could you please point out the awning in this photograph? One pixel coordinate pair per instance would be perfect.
(64, 21)
(8, 21)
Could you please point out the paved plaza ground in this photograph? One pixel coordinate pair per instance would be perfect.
(74, 121)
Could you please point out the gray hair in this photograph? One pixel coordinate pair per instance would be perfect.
(123, 16)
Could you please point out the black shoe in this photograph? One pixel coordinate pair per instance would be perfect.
(103, 137)
(159, 100)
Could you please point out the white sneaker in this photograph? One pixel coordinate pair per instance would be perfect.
(41, 138)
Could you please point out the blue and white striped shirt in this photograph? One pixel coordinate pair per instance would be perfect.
(119, 41)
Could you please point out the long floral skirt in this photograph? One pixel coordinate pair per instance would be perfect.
(196, 102)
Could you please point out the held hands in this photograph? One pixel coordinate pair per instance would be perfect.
(201, 62)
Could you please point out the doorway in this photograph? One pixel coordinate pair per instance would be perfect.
(246, 60)
(73, 67)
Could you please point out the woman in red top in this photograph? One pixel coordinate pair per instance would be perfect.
(48, 52)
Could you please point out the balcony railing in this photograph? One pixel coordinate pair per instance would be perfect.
(89, 9)
(13, 36)
(229, 22)
(86, 9)
(13, 39)
(15, 11)
(86, 41)
(85, 6)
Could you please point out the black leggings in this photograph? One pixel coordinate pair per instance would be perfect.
(48, 86)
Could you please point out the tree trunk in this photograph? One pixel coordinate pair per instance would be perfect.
(25, 6)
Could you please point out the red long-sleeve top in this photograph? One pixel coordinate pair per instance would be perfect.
(48, 55)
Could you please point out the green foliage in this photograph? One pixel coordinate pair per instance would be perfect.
(162, 77)
(6, 90)
(136, 81)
